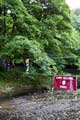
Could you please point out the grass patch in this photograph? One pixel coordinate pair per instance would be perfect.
(78, 92)
(16, 82)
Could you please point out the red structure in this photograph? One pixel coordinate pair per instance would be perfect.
(65, 83)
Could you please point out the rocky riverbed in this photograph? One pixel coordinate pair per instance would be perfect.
(41, 106)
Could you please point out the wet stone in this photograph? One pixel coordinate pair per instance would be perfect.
(41, 106)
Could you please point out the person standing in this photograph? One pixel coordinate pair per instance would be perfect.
(27, 64)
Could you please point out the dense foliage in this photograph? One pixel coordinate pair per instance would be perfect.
(40, 30)
(76, 33)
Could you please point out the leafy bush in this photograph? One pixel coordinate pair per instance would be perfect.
(78, 82)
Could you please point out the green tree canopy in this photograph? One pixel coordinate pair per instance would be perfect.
(40, 29)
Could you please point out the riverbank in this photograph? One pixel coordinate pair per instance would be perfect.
(41, 106)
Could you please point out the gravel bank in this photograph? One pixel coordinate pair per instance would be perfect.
(41, 106)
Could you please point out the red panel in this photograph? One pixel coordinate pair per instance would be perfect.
(65, 83)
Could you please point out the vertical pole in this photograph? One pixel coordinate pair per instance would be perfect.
(71, 86)
(75, 95)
